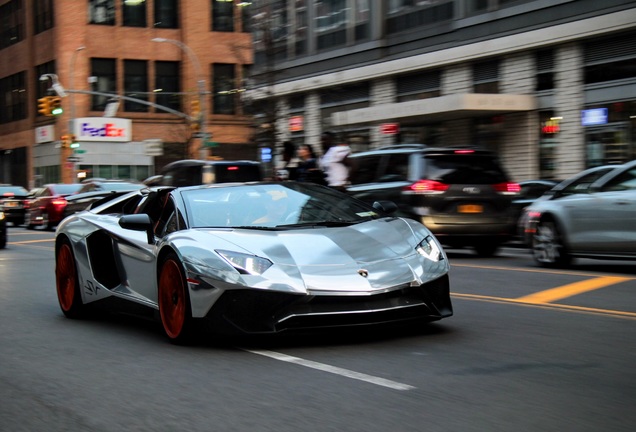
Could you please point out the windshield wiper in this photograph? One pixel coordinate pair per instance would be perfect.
(330, 223)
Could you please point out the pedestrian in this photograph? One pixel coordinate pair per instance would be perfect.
(307, 169)
(285, 169)
(336, 164)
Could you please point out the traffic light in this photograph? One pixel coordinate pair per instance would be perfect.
(195, 108)
(73, 142)
(66, 142)
(56, 105)
(44, 106)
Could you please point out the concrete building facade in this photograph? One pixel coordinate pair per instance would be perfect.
(549, 85)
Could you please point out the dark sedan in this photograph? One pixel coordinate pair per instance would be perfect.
(14, 201)
(3, 230)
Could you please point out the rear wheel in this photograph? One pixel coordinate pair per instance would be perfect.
(66, 281)
(174, 301)
(548, 247)
(486, 248)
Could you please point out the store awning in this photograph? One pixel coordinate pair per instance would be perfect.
(438, 109)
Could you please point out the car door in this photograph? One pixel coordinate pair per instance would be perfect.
(617, 212)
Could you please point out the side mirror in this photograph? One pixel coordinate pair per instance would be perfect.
(385, 206)
(138, 222)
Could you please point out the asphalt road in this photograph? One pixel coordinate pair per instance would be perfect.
(527, 350)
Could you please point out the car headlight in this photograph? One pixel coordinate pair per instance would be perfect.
(1, 215)
(244, 263)
(429, 248)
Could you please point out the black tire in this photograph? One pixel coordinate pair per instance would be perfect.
(3, 241)
(486, 249)
(173, 300)
(548, 246)
(67, 282)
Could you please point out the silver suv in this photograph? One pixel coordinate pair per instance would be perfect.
(461, 194)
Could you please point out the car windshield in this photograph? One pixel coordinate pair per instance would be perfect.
(8, 191)
(464, 169)
(66, 189)
(121, 186)
(273, 205)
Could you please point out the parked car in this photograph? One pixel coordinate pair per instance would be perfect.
(95, 190)
(3, 230)
(206, 255)
(46, 208)
(577, 184)
(462, 195)
(193, 172)
(597, 223)
(14, 201)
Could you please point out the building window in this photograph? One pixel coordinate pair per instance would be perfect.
(222, 16)
(13, 94)
(331, 23)
(246, 17)
(408, 14)
(166, 14)
(11, 23)
(101, 12)
(420, 85)
(486, 76)
(545, 69)
(224, 88)
(136, 84)
(167, 85)
(42, 86)
(610, 59)
(104, 71)
(42, 15)
(134, 13)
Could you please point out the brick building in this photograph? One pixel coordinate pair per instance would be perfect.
(187, 56)
(549, 85)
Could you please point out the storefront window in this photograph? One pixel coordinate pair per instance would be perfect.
(550, 128)
(609, 133)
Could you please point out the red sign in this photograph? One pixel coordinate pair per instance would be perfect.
(296, 124)
(389, 128)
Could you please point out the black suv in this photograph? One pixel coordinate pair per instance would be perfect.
(461, 194)
(193, 172)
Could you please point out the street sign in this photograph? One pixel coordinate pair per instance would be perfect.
(211, 144)
(79, 151)
(203, 135)
(73, 159)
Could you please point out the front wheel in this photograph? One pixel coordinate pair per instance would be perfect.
(548, 247)
(66, 281)
(174, 301)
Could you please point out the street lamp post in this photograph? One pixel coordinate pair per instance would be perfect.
(71, 120)
(200, 82)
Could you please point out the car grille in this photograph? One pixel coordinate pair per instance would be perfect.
(252, 311)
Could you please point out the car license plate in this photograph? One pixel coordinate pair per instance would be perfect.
(11, 204)
(470, 208)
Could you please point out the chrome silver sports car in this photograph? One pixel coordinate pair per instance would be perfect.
(251, 258)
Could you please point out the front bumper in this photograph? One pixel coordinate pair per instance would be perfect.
(260, 312)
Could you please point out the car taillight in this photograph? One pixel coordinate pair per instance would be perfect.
(26, 204)
(507, 188)
(428, 187)
(59, 202)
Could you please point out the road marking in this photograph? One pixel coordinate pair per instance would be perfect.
(564, 291)
(332, 369)
(569, 308)
(31, 241)
(529, 270)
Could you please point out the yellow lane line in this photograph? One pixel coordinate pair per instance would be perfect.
(564, 291)
(31, 241)
(530, 270)
(580, 309)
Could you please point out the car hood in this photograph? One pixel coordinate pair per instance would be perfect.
(373, 255)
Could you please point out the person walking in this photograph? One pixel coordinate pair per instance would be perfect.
(335, 163)
(307, 169)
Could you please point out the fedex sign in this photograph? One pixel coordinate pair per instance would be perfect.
(105, 129)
